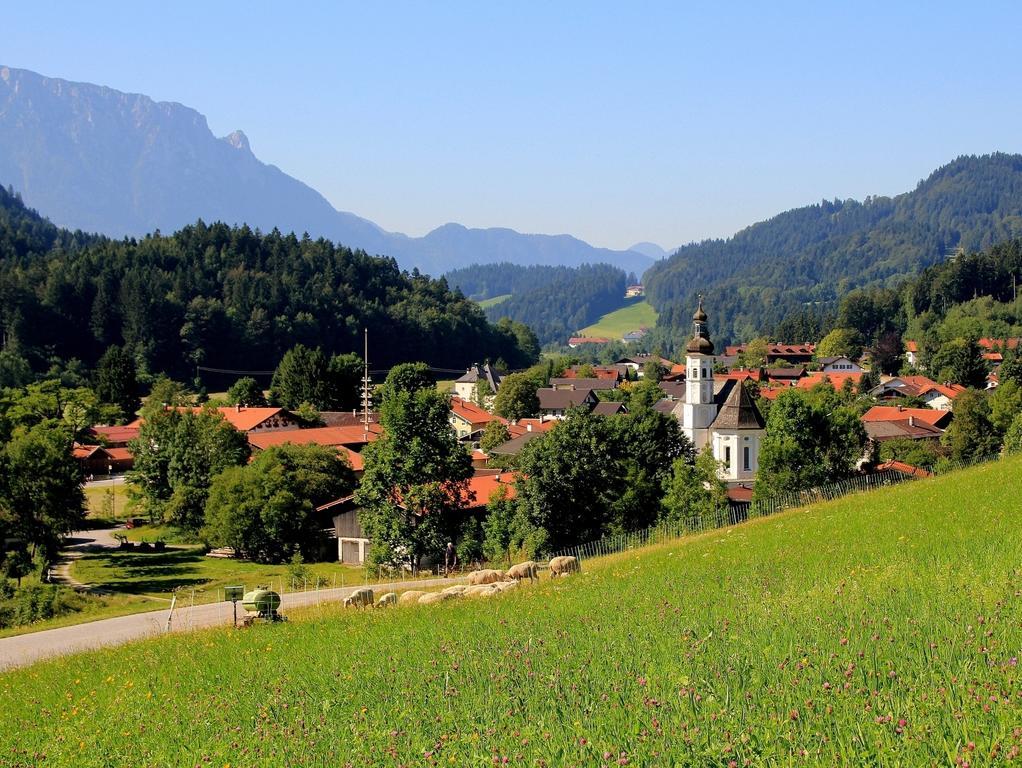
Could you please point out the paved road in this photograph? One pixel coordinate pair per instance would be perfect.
(24, 649)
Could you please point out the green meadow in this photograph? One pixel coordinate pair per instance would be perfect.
(637, 313)
(883, 628)
(494, 300)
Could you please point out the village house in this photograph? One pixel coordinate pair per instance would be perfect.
(598, 372)
(466, 386)
(555, 403)
(886, 422)
(578, 341)
(467, 419)
(839, 364)
(633, 336)
(940, 397)
(347, 441)
(912, 354)
(636, 363)
(353, 544)
(634, 290)
(246, 419)
(598, 384)
(724, 420)
(777, 352)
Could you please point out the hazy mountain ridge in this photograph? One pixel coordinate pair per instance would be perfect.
(93, 158)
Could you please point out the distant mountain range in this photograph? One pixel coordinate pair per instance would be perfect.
(806, 259)
(99, 160)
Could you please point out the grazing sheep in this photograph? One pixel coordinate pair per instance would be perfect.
(481, 590)
(527, 570)
(562, 566)
(411, 596)
(360, 598)
(434, 597)
(454, 590)
(388, 599)
(503, 586)
(485, 576)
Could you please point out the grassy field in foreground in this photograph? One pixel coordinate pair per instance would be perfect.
(634, 315)
(494, 300)
(878, 629)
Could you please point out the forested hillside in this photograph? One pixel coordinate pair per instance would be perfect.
(224, 297)
(554, 301)
(812, 256)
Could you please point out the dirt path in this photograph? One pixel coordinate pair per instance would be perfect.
(22, 650)
(76, 547)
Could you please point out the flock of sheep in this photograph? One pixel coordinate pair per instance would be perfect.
(484, 583)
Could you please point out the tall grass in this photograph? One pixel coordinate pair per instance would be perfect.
(876, 629)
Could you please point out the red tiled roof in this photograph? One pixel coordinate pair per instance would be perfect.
(911, 346)
(993, 357)
(471, 413)
(481, 487)
(522, 426)
(740, 493)
(896, 413)
(598, 373)
(114, 433)
(901, 466)
(836, 380)
(120, 454)
(242, 419)
(775, 349)
(999, 343)
(330, 437)
(80, 452)
(740, 375)
(588, 340)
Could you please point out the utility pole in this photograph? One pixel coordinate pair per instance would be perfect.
(367, 395)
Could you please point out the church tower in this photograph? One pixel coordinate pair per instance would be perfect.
(699, 408)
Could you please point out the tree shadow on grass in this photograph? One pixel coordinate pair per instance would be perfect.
(141, 573)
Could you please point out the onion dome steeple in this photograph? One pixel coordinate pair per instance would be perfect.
(700, 343)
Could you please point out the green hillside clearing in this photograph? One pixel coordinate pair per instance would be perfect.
(494, 301)
(878, 629)
(638, 313)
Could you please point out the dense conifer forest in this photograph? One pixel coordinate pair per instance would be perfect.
(224, 297)
(554, 301)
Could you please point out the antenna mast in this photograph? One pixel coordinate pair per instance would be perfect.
(367, 397)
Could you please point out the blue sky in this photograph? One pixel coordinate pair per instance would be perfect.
(614, 122)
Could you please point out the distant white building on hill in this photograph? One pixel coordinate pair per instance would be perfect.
(723, 419)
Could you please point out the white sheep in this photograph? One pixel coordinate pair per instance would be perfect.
(485, 576)
(360, 598)
(434, 597)
(563, 565)
(454, 590)
(411, 596)
(527, 570)
(388, 599)
(503, 586)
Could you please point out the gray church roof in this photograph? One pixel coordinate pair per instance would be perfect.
(739, 411)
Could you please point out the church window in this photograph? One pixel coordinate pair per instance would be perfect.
(746, 458)
(727, 457)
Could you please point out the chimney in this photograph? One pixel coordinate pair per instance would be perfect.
(911, 421)
(237, 408)
(497, 477)
(528, 427)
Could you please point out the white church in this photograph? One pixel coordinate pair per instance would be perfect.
(719, 415)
